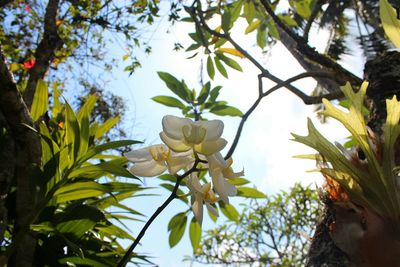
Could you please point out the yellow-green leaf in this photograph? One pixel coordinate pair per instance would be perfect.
(40, 100)
(390, 23)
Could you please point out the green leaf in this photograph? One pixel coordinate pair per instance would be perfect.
(105, 127)
(302, 7)
(235, 9)
(169, 101)
(177, 229)
(230, 62)
(72, 133)
(103, 147)
(56, 101)
(249, 11)
(179, 192)
(78, 261)
(210, 68)
(176, 220)
(204, 93)
(288, 20)
(229, 211)
(83, 119)
(262, 36)
(116, 167)
(226, 20)
(214, 94)
(174, 85)
(238, 181)
(252, 26)
(225, 110)
(79, 219)
(194, 233)
(40, 100)
(272, 30)
(250, 192)
(390, 23)
(220, 67)
(79, 190)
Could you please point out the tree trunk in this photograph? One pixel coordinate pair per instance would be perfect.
(351, 235)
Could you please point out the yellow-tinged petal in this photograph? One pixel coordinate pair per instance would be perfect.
(211, 147)
(197, 208)
(175, 145)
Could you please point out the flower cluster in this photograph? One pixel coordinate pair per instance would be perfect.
(184, 140)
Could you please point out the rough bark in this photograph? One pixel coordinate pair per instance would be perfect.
(26, 153)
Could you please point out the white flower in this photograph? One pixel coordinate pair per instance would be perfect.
(221, 170)
(156, 159)
(201, 194)
(182, 134)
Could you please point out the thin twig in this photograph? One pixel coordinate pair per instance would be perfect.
(171, 197)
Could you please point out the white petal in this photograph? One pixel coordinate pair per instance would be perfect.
(212, 210)
(197, 208)
(178, 163)
(138, 155)
(219, 186)
(175, 145)
(193, 184)
(172, 126)
(230, 189)
(216, 160)
(148, 168)
(208, 148)
(214, 129)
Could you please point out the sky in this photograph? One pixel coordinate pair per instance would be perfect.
(265, 150)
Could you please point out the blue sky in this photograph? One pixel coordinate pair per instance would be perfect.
(264, 151)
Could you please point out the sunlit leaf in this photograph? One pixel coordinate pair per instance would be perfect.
(169, 101)
(174, 85)
(229, 211)
(105, 127)
(225, 110)
(195, 233)
(229, 61)
(220, 67)
(250, 192)
(252, 26)
(40, 100)
(210, 68)
(390, 23)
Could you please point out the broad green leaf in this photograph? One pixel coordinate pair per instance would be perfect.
(194, 234)
(177, 232)
(302, 7)
(249, 11)
(105, 127)
(79, 190)
(84, 123)
(252, 26)
(250, 192)
(72, 133)
(204, 93)
(220, 67)
(210, 68)
(174, 85)
(235, 9)
(169, 101)
(288, 20)
(115, 167)
(262, 36)
(390, 23)
(229, 211)
(79, 219)
(230, 62)
(93, 151)
(225, 110)
(113, 231)
(226, 20)
(56, 101)
(214, 94)
(176, 220)
(272, 30)
(238, 181)
(40, 100)
(78, 261)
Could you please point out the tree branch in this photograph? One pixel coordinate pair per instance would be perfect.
(45, 51)
(27, 152)
(171, 197)
(308, 58)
